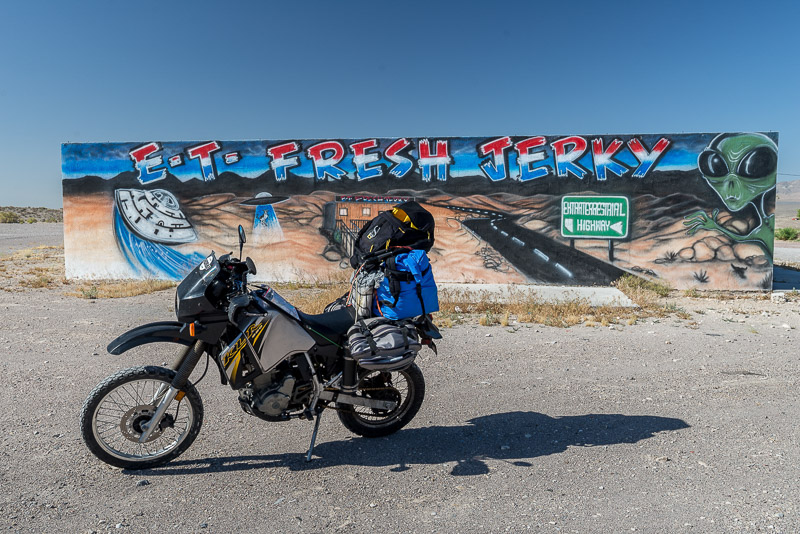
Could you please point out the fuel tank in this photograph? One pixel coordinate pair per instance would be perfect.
(283, 338)
(265, 342)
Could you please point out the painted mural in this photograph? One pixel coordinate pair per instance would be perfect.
(694, 210)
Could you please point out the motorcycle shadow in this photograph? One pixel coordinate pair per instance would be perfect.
(512, 437)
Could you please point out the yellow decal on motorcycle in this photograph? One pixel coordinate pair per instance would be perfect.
(233, 355)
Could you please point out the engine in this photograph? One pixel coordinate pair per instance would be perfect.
(269, 397)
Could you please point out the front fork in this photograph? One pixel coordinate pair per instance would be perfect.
(183, 366)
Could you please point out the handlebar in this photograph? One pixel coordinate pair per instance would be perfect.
(246, 266)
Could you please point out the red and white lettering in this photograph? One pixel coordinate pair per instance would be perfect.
(280, 163)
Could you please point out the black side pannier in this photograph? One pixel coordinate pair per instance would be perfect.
(380, 344)
(407, 224)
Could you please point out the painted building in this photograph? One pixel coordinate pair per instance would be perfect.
(693, 210)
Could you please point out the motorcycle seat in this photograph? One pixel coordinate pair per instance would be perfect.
(333, 325)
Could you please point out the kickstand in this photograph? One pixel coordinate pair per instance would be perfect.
(314, 436)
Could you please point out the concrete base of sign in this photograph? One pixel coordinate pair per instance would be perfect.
(596, 296)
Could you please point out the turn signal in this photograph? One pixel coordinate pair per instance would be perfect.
(191, 329)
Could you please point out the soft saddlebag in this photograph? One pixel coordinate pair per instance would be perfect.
(380, 344)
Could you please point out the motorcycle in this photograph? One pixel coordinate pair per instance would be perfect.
(283, 363)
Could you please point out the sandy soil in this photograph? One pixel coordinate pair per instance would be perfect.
(15, 237)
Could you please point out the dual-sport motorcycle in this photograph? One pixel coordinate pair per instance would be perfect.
(283, 363)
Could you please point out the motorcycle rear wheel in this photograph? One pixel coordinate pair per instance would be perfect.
(114, 411)
(406, 387)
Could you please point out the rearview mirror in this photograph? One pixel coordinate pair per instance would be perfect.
(242, 240)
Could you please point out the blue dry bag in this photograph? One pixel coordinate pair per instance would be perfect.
(408, 289)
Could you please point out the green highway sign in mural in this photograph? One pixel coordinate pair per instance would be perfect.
(594, 217)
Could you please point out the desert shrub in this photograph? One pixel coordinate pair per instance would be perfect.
(8, 217)
(644, 293)
(89, 292)
(520, 307)
(114, 289)
(786, 234)
(39, 281)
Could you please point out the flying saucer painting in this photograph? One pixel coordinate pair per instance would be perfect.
(145, 222)
(263, 199)
(154, 216)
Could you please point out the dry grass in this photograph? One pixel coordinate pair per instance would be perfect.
(43, 268)
(313, 296)
(339, 278)
(16, 214)
(39, 281)
(313, 299)
(643, 293)
(115, 289)
(726, 295)
(33, 268)
(460, 306)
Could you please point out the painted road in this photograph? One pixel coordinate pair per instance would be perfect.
(540, 258)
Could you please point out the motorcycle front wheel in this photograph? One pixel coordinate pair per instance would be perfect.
(405, 387)
(113, 414)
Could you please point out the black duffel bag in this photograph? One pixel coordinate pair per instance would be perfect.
(406, 225)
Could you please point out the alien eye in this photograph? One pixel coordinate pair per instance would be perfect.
(712, 164)
(758, 163)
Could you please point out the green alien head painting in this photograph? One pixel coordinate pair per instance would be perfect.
(741, 168)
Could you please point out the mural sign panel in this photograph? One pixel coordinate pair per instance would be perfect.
(594, 217)
(694, 210)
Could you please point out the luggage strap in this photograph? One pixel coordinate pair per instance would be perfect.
(367, 333)
(396, 276)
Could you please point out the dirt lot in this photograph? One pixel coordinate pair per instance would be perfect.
(786, 214)
(668, 425)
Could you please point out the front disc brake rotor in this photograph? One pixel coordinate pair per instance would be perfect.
(131, 423)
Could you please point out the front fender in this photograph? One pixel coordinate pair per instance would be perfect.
(160, 332)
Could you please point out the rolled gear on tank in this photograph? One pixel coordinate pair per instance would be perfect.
(362, 294)
(380, 344)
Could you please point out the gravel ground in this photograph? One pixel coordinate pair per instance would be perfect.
(787, 251)
(20, 236)
(670, 425)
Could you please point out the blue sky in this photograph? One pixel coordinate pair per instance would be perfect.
(171, 71)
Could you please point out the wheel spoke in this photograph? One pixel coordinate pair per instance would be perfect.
(393, 386)
(132, 401)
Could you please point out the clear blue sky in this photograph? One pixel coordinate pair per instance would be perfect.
(173, 71)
